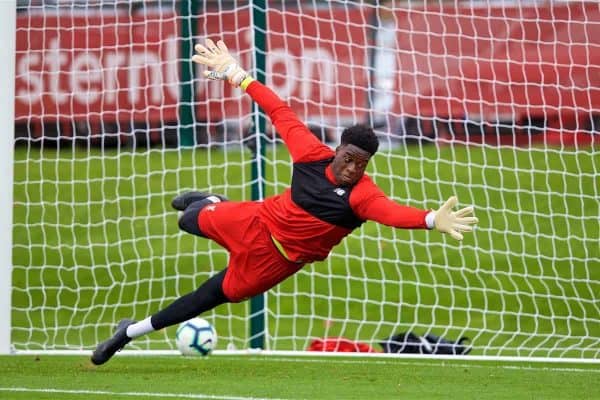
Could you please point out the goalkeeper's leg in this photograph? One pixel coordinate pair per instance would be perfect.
(206, 297)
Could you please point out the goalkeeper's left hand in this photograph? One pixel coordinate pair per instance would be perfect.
(222, 65)
(453, 222)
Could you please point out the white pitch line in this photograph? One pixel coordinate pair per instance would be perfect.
(426, 364)
(133, 394)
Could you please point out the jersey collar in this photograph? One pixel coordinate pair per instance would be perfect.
(330, 176)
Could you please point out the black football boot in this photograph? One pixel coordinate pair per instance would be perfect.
(105, 350)
(181, 202)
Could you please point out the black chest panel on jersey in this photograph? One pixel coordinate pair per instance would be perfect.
(312, 191)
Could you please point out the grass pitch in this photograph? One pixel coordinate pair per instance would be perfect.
(257, 377)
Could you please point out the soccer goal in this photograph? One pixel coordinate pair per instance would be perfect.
(495, 102)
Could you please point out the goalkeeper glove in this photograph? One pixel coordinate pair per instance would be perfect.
(222, 65)
(453, 222)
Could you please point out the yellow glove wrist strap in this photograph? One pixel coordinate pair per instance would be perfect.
(246, 81)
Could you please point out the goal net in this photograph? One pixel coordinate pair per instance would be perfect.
(495, 102)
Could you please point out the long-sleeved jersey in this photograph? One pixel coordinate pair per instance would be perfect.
(316, 213)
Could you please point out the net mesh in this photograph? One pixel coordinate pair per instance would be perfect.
(494, 102)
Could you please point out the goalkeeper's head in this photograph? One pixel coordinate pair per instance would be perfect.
(357, 146)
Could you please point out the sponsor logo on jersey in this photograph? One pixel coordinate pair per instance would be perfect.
(339, 191)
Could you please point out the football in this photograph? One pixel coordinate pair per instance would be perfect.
(196, 337)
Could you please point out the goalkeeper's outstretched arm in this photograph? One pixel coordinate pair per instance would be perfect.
(374, 205)
(301, 143)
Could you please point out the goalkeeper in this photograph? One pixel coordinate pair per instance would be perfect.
(329, 197)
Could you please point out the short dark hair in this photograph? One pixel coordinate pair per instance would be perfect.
(361, 136)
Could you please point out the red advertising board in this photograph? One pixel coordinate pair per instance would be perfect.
(114, 67)
(490, 62)
(100, 66)
(496, 62)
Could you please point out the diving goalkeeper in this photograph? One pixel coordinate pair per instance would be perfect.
(267, 241)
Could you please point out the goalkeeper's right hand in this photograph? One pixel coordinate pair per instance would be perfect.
(222, 66)
(453, 222)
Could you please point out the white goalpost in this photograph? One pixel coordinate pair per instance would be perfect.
(495, 102)
(7, 82)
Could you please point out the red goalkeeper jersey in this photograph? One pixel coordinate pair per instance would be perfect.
(316, 213)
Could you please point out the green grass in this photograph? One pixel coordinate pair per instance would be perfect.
(95, 240)
(225, 377)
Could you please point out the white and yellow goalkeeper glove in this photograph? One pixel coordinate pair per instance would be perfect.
(452, 222)
(222, 66)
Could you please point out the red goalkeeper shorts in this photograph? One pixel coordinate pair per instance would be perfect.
(255, 264)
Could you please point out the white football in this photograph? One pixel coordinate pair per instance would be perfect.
(196, 337)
